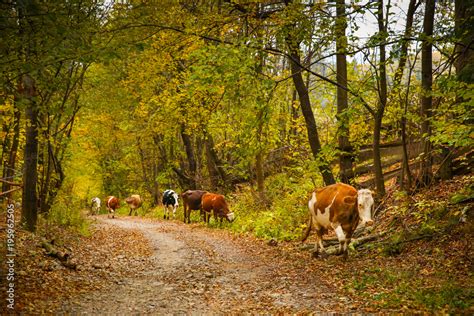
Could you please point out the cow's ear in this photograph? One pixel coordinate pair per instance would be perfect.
(350, 200)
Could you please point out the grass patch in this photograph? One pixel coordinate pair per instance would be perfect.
(394, 288)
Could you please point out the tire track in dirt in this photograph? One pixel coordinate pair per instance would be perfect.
(199, 270)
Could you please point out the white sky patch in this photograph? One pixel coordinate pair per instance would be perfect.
(368, 22)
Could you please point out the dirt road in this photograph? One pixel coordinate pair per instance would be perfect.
(194, 269)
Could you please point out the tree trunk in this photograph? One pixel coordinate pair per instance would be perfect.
(10, 164)
(5, 148)
(307, 111)
(464, 28)
(426, 98)
(29, 211)
(188, 145)
(405, 44)
(379, 180)
(216, 170)
(211, 167)
(259, 172)
(345, 158)
(294, 114)
(405, 170)
(405, 160)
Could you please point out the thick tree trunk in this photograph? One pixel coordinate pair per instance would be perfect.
(426, 97)
(30, 176)
(188, 145)
(464, 27)
(307, 111)
(345, 158)
(214, 165)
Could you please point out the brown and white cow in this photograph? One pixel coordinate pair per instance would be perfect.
(339, 207)
(192, 202)
(134, 202)
(112, 204)
(217, 204)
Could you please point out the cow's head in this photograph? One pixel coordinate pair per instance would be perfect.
(365, 203)
(230, 216)
(175, 195)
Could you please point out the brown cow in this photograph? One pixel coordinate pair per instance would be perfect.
(340, 207)
(216, 203)
(112, 204)
(192, 202)
(134, 202)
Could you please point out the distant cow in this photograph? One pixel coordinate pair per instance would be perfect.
(170, 199)
(113, 203)
(134, 202)
(191, 202)
(95, 205)
(217, 204)
(340, 207)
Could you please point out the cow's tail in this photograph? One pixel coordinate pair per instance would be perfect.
(308, 229)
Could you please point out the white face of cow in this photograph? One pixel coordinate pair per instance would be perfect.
(230, 217)
(175, 199)
(96, 201)
(366, 202)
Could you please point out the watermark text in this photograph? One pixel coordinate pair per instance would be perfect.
(10, 260)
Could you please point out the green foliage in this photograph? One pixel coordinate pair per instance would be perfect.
(285, 219)
(465, 194)
(452, 121)
(69, 212)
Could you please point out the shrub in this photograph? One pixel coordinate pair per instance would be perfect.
(285, 219)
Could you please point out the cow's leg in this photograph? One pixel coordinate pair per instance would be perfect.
(130, 213)
(308, 229)
(341, 236)
(348, 230)
(319, 243)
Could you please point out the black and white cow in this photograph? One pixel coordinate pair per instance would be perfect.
(170, 199)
